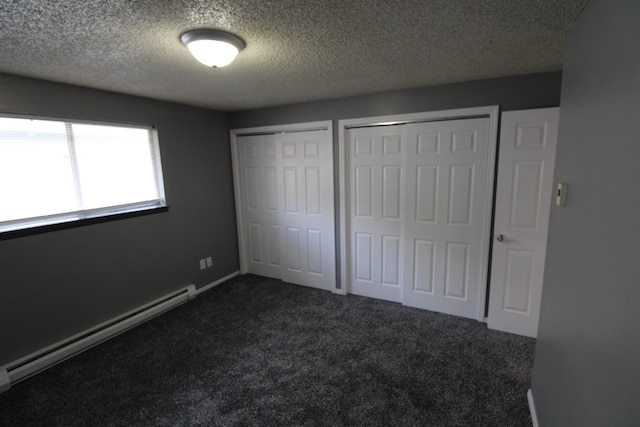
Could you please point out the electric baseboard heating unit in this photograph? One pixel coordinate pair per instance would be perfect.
(34, 363)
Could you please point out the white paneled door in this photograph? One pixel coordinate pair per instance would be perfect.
(376, 211)
(446, 221)
(523, 198)
(286, 201)
(260, 178)
(417, 213)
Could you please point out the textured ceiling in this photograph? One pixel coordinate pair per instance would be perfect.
(296, 50)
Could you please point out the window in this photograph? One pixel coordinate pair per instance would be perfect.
(59, 171)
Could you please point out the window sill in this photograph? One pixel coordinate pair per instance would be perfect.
(12, 234)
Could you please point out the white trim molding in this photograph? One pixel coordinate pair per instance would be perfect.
(532, 409)
(5, 381)
(60, 351)
(216, 283)
(51, 355)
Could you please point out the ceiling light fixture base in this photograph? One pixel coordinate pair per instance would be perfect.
(213, 48)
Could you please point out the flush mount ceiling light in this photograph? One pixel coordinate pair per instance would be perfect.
(214, 48)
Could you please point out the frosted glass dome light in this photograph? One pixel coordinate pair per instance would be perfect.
(213, 48)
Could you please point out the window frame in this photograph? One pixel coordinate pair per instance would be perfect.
(57, 221)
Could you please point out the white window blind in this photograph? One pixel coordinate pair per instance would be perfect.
(59, 171)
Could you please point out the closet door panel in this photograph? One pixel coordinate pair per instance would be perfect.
(261, 206)
(446, 227)
(309, 257)
(376, 210)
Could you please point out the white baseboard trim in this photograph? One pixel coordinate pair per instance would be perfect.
(532, 409)
(216, 283)
(5, 381)
(60, 351)
(51, 355)
(341, 291)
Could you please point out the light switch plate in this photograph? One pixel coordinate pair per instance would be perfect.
(561, 194)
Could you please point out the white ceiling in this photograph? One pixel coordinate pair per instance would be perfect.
(296, 50)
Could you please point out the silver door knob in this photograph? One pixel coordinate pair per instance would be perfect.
(500, 238)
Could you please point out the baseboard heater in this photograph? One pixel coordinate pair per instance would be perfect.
(34, 363)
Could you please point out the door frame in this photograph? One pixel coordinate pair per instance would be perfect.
(234, 134)
(491, 112)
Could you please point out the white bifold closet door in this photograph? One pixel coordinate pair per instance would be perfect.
(446, 225)
(376, 211)
(418, 220)
(286, 202)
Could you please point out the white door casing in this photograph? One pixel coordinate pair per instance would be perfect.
(374, 158)
(283, 177)
(523, 199)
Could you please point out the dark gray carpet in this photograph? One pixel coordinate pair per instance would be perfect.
(256, 351)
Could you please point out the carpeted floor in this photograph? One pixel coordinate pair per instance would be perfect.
(256, 351)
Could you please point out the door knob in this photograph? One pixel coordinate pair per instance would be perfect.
(501, 238)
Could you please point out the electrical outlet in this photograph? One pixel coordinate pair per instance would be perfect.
(209, 262)
(203, 264)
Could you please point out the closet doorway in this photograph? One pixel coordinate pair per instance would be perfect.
(416, 194)
(283, 177)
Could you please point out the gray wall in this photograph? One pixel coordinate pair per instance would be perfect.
(512, 93)
(55, 284)
(587, 362)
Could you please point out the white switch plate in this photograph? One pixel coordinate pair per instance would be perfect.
(561, 194)
(209, 262)
(203, 264)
